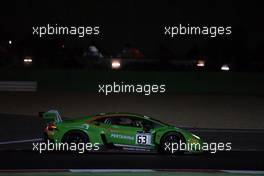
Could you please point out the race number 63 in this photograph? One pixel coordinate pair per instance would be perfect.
(143, 138)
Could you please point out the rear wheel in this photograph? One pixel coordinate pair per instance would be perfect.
(170, 143)
(75, 137)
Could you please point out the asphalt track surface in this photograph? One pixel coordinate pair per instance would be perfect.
(229, 111)
(247, 151)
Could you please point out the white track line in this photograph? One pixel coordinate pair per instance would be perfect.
(243, 171)
(226, 131)
(21, 141)
(247, 150)
(110, 170)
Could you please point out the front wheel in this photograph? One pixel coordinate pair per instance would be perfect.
(170, 144)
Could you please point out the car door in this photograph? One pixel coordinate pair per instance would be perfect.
(125, 130)
(121, 130)
(128, 130)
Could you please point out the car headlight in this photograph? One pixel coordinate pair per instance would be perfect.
(196, 137)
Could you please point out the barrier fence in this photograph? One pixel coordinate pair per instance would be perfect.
(18, 86)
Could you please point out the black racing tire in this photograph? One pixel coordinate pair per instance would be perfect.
(169, 138)
(75, 137)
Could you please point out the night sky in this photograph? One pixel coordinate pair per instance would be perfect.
(141, 23)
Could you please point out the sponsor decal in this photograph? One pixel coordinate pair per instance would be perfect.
(120, 136)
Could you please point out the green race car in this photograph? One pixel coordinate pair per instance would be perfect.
(124, 131)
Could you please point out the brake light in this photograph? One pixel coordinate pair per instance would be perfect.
(51, 127)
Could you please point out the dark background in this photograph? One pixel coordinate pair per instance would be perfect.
(140, 23)
(224, 106)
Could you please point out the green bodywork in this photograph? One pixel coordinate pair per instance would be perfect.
(100, 132)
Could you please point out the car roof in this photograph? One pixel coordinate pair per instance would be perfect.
(121, 113)
(113, 114)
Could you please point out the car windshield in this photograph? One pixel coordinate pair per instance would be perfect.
(158, 121)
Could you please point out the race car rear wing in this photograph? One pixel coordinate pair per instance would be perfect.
(51, 116)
